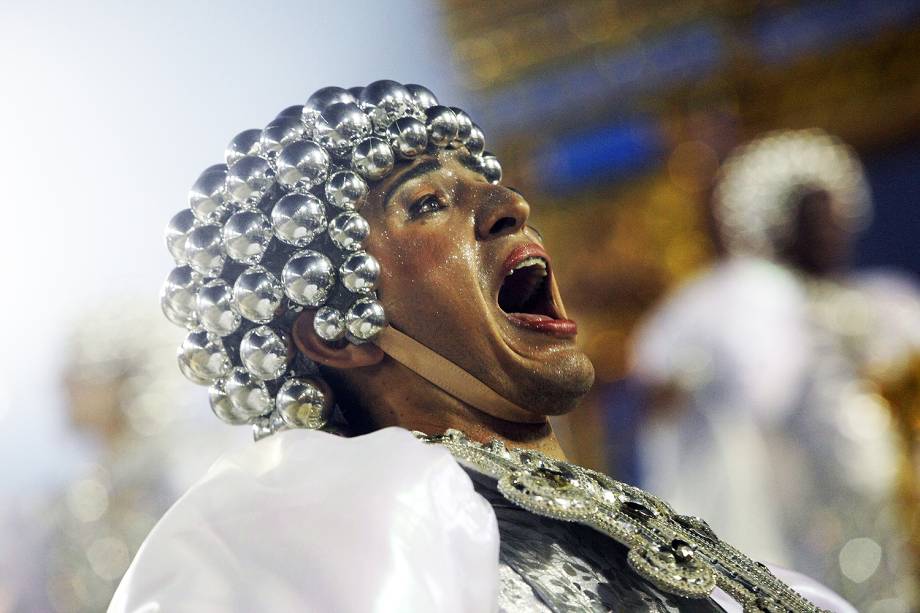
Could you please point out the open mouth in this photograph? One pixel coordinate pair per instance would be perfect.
(525, 290)
(526, 295)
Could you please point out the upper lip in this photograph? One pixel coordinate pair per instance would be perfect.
(520, 254)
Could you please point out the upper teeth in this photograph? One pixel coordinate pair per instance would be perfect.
(532, 261)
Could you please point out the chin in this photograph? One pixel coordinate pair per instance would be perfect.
(557, 388)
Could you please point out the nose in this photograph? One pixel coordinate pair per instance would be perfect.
(503, 212)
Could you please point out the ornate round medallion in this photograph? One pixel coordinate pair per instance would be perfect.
(548, 491)
(674, 568)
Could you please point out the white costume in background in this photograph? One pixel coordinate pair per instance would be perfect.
(729, 342)
(308, 521)
(774, 437)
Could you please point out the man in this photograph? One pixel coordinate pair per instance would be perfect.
(359, 266)
(764, 372)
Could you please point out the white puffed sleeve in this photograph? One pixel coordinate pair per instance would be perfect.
(306, 521)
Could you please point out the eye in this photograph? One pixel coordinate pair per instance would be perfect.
(425, 206)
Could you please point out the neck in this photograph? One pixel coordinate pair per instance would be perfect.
(483, 428)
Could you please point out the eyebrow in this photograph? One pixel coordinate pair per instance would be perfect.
(413, 173)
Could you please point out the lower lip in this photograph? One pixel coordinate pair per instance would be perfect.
(562, 328)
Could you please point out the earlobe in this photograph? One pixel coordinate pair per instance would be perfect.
(343, 355)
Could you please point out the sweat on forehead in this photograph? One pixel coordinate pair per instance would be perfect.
(274, 230)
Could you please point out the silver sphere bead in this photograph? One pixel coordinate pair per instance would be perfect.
(298, 218)
(323, 98)
(222, 407)
(348, 231)
(329, 323)
(307, 277)
(208, 196)
(265, 353)
(257, 294)
(247, 393)
(385, 101)
(365, 318)
(476, 141)
(295, 111)
(249, 179)
(408, 137)
(178, 297)
(302, 404)
(372, 158)
(422, 96)
(246, 236)
(265, 426)
(214, 168)
(491, 168)
(277, 423)
(243, 144)
(464, 127)
(359, 272)
(177, 232)
(215, 308)
(202, 358)
(281, 132)
(442, 125)
(356, 92)
(204, 250)
(302, 165)
(340, 126)
(345, 189)
(261, 428)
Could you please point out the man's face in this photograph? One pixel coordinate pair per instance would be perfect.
(465, 275)
(820, 242)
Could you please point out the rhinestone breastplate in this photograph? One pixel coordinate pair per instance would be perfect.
(679, 554)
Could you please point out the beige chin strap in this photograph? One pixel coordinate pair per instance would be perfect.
(448, 376)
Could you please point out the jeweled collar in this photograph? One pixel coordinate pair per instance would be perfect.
(679, 554)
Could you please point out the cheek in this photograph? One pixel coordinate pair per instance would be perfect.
(426, 259)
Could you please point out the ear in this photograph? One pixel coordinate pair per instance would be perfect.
(337, 355)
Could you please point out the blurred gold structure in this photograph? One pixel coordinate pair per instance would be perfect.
(620, 244)
(900, 387)
(127, 401)
(122, 392)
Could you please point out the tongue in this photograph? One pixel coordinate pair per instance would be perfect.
(530, 317)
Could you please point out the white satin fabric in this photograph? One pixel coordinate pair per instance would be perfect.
(305, 521)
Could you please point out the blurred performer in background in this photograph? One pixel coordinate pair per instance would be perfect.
(123, 396)
(358, 267)
(765, 414)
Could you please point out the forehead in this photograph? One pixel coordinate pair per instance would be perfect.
(445, 162)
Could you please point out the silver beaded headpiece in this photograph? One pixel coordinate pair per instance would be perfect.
(757, 185)
(276, 229)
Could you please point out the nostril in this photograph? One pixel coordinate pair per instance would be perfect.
(503, 224)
